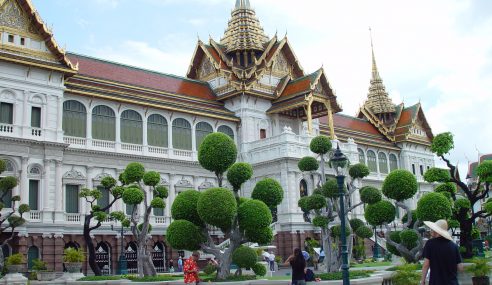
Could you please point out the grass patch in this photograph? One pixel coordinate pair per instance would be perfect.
(158, 278)
(400, 267)
(372, 264)
(338, 275)
(231, 278)
(100, 278)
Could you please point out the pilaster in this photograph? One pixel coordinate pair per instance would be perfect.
(59, 217)
(47, 209)
(24, 187)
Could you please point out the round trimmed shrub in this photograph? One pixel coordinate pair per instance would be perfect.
(400, 185)
(409, 238)
(161, 191)
(217, 207)
(433, 206)
(488, 207)
(359, 170)
(320, 145)
(242, 200)
(134, 172)
(395, 237)
(15, 198)
(303, 203)
(118, 191)
(318, 191)
(108, 182)
(336, 231)
(363, 232)
(308, 163)
(462, 203)
(330, 189)
(209, 269)
(442, 143)
(262, 236)
(448, 187)
(152, 178)
(185, 207)
(453, 224)
(8, 183)
(435, 174)
(356, 223)
(23, 208)
(316, 202)
(158, 203)
(217, 152)
(184, 235)
(370, 195)
(3, 165)
(269, 191)
(380, 213)
(254, 214)
(239, 173)
(140, 227)
(100, 216)
(133, 196)
(259, 269)
(118, 215)
(321, 221)
(484, 171)
(122, 178)
(16, 221)
(244, 257)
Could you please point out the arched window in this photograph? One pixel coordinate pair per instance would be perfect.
(383, 163)
(157, 131)
(303, 188)
(74, 119)
(393, 162)
(103, 123)
(32, 253)
(371, 161)
(201, 131)
(131, 127)
(181, 134)
(362, 156)
(226, 130)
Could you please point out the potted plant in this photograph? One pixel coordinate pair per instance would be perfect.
(480, 271)
(42, 272)
(73, 259)
(15, 263)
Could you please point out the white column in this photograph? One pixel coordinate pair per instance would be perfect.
(24, 186)
(170, 140)
(47, 217)
(172, 195)
(59, 123)
(58, 191)
(25, 115)
(88, 184)
(118, 132)
(145, 143)
(89, 125)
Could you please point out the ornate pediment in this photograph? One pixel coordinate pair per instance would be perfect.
(100, 176)
(206, 68)
(183, 183)
(12, 16)
(164, 182)
(74, 174)
(281, 64)
(205, 185)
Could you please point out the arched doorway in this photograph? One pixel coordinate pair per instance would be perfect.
(32, 253)
(159, 256)
(103, 257)
(131, 257)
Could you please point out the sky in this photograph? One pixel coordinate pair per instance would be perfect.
(437, 52)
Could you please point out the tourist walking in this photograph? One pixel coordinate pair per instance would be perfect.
(180, 264)
(441, 256)
(171, 265)
(298, 264)
(271, 261)
(191, 269)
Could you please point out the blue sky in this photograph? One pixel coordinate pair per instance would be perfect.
(435, 52)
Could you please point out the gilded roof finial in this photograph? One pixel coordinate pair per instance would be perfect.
(378, 100)
(243, 4)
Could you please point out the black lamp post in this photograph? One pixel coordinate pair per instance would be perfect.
(340, 163)
(376, 246)
(122, 262)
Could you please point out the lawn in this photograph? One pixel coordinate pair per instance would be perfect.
(372, 264)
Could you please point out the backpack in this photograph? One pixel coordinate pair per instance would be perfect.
(309, 275)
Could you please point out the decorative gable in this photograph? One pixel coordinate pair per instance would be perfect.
(281, 64)
(12, 16)
(206, 69)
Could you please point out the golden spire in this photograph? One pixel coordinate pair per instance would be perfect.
(378, 100)
(244, 31)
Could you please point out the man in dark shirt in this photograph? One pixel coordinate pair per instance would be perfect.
(441, 255)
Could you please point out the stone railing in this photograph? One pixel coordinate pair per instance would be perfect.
(7, 128)
(73, 218)
(35, 216)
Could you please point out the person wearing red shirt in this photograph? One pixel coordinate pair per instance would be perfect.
(191, 270)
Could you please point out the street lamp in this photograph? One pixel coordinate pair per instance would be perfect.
(340, 163)
(122, 263)
(376, 246)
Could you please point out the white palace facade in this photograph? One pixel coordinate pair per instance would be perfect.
(69, 120)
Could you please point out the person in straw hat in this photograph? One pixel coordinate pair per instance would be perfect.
(441, 255)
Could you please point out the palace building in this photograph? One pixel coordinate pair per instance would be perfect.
(68, 120)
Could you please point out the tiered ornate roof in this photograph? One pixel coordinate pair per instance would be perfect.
(378, 100)
(244, 31)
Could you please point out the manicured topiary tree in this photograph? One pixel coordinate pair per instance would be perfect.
(13, 217)
(100, 214)
(139, 186)
(474, 192)
(399, 186)
(322, 203)
(244, 257)
(241, 219)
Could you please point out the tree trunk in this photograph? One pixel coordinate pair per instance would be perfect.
(90, 246)
(466, 239)
(2, 261)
